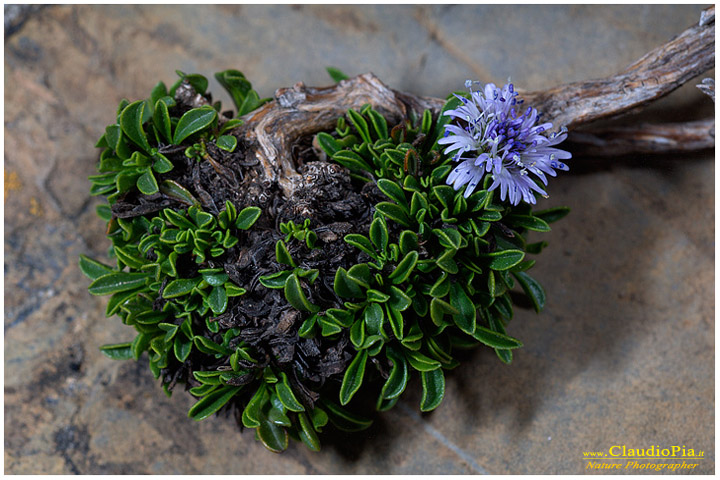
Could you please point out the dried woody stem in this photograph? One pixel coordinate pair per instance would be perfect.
(299, 111)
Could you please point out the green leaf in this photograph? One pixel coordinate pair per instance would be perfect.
(193, 121)
(212, 402)
(206, 345)
(328, 143)
(286, 395)
(215, 279)
(198, 82)
(336, 74)
(445, 195)
(408, 242)
(420, 362)
(343, 419)
(275, 280)
(393, 191)
(379, 234)
(532, 289)
(236, 85)
(147, 184)
(438, 309)
(344, 287)
(352, 161)
(295, 295)
(282, 255)
(466, 317)
(117, 282)
(449, 237)
(398, 378)
(393, 212)
(126, 258)
(360, 274)
(379, 124)
(353, 377)
(319, 418)
(227, 143)
(273, 436)
(307, 329)
(529, 222)
(505, 259)
(307, 433)
(218, 300)
(361, 242)
(377, 296)
(92, 268)
(494, 339)
(131, 122)
(360, 124)
(251, 102)
(252, 413)
(433, 384)
(182, 348)
(118, 351)
(404, 268)
(374, 319)
(161, 120)
(180, 287)
(552, 214)
(161, 164)
(158, 91)
(247, 217)
(357, 333)
(536, 248)
(399, 300)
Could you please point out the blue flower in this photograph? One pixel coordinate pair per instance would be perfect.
(492, 135)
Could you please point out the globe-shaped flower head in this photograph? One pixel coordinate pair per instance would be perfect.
(492, 134)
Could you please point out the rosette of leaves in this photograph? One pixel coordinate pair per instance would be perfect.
(439, 268)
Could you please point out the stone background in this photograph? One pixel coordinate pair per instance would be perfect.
(623, 353)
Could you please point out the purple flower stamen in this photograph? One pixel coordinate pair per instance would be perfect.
(496, 141)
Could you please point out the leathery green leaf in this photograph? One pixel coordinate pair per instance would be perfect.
(532, 289)
(398, 378)
(495, 339)
(181, 286)
(466, 317)
(118, 351)
(505, 259)
(307, 433)
(393, 191)
(192, 122)
(161, 119)
(146, 183)
(286, 395)
(212, 402)
(218, 300)
(274, 437)
(343, 419)
(117, 282)
(131, 122)
(353, 377)
(421, 362)
(92, 268)
(433, 384)
(296, 296)
(247, 217)
(404, 268)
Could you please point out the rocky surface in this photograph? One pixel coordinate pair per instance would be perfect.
(622, 355)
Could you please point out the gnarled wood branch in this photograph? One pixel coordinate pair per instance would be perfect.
(644, 138)
(271, 131)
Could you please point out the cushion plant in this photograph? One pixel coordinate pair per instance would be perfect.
(406, 242)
